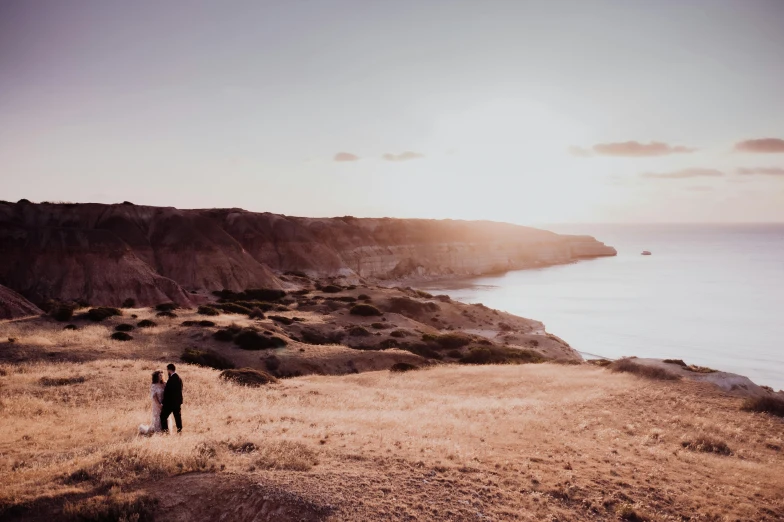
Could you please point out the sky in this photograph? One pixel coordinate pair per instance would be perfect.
(518, 111)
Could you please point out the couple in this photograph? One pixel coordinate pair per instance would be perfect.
(166, 399)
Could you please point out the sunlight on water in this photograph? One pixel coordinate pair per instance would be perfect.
(711, 295)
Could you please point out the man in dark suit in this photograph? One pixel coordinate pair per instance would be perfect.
(172, 400)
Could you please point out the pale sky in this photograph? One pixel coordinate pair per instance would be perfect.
(527, 112)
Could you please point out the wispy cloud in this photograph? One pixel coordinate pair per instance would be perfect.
(700, 188)
(684, 174)
(633, 149)
(761, 146)
(345, 156)
(764, 171)
(403, 156)
(580, 152)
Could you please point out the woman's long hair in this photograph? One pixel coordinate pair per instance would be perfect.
(156, 376)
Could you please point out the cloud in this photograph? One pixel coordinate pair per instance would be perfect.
(765, 171)
(580, 152)
(700, 188)
(346, 156)
(684, 174)
(403, 156)
(761, 146)
(637, 149)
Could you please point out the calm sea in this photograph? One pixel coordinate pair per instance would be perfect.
(712, 295)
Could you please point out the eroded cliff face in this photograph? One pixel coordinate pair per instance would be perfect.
(13, 305)
(108, 253)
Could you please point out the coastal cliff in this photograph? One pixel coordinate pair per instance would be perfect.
(107, 253)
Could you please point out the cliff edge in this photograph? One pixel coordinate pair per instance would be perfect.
(108, 253)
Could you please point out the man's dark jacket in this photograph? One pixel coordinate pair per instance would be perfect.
(172, 394)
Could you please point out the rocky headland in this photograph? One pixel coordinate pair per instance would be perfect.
(107, 254)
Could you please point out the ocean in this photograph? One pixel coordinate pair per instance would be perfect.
(712, 295)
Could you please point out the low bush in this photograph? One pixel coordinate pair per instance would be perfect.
(102, 312)
(62, 312)
(251, 340)
(224, 335)
(256, 313)
(679, 362)
(61, 381)
(129, 303)
(119, 506)
(403, 367)
(208, 310)
(448, 341)
(343, 299)
(627, 365)
(331, 289)
(408, 306)
(380, 326)
(286, 455)
(206, 324)
(206, 358)
(166, 307)
(314, 336)
(365, 310)
(771, 405)
(422, 293)
(170, 315)
(248, 377)
(454, 354)
(283, 320)
(358, 331)
(146, 323)
(707, 444)
(233, 308)
(400, 333)
(124, 327)
(386, 344)
(363, 297)
(296, 273)
(499, 355)
(272, 363)
(121, 336)
(70, 327)
(252, 294)
(421, 349)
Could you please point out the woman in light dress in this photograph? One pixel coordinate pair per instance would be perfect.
(156, 395)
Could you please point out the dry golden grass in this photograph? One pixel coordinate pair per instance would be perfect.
(507, 442)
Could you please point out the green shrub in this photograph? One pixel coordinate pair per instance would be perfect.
(207, 310)
(421, 349)
(251, 340)
(408, 306)
(358, 331)
(365, 310)
(121, 336)
(206, 358)
(771, 405)
(314, 336)
(248, 377)
(146, 323)
(129, 303)
(102, 312)
(166, 307)
(124, 327)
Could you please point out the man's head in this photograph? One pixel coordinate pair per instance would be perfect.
(170, 368)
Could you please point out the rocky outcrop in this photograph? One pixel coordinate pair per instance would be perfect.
(107, 253)
(13, 305)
